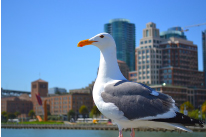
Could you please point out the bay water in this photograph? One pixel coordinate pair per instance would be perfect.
(90, 133)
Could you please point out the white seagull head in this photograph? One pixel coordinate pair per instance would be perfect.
(102, 41)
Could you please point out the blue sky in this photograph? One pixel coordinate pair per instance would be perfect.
(41, 36)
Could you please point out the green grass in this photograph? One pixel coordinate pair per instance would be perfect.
(43, 122)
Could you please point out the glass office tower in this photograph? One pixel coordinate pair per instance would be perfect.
(123, 33)
(176, 32)
(204, 53)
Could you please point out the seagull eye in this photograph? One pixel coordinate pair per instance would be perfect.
(102, 36)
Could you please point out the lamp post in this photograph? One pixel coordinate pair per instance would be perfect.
(200, 113)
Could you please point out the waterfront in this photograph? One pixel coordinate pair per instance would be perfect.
(89, 133)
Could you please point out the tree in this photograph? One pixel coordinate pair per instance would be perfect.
(31, 113)
(17, 113)
(95, 111)
(3, 113)
(4, 116)
(204, 107)
(83, 110)
(194, 114)
(11, 116)
(188, 106)
(70, 114)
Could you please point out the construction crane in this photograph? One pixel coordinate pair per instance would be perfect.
(197, 25)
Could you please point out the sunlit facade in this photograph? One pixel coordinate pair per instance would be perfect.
(204, 52)
(123, 33)
(148, 56)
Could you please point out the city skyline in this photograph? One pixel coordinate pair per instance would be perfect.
(41, 37)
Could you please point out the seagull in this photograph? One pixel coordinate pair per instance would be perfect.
(131, 104)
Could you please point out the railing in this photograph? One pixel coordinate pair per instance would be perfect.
(87, 127)
(62, 126)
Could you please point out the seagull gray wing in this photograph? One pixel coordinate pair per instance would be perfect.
(137, 100)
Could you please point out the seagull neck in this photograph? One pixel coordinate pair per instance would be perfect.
(109, 68)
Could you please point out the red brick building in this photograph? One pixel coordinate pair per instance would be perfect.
(58, 104)
(22, 104)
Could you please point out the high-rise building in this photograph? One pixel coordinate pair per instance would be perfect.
(123, 33)
(204, 53)
(172, 61)
(149, 56)
(180, 64)
(176, 32)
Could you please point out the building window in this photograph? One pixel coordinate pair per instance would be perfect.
(34, 86)
(147, 51)
(133, 75)
(134, 80)
(141, 42)
(150, 41)
(145, 41)
(139, 67)
(155, 33)
(42, 86)
(147, 33)
(154, 41)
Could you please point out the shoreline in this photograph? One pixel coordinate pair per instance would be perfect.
(89, 127)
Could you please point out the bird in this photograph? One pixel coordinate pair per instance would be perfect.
(131, 104)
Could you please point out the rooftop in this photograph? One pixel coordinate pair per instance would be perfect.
(39, 80)
(119, 19)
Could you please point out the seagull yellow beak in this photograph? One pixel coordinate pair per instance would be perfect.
(84, 43)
